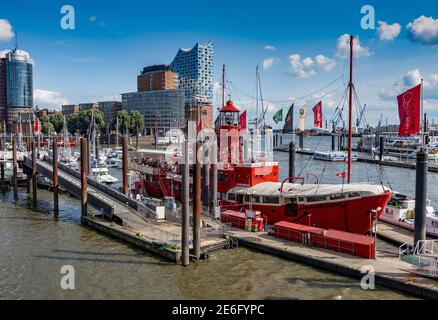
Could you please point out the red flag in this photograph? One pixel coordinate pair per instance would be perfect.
(409, 111)
(199, 127)
(341, 175)
(242, 120)
(317, 115)
(36, 126)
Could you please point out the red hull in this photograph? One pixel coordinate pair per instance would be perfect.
(351, 215)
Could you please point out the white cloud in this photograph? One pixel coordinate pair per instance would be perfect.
(299, 68)
(388, 32)
(6, 33)
(324, 62)
(93, 19)
(269, 47)
(412, 78)
(48, 98)
(343, 47)
(423, 30)
(269, 62)
(307, 67)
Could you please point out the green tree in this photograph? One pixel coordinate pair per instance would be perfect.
(137, 123)
(81, 121)
(46, 126)
(124, 122)
(57, 120)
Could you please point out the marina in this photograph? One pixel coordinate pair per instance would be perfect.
(304, 166)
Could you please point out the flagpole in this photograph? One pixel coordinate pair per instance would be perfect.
(422, 115)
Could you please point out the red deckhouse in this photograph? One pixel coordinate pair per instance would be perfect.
(255, 185)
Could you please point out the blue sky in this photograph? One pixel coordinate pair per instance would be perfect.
(113, 40)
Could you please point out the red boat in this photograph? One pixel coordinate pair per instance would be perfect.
(255, 185)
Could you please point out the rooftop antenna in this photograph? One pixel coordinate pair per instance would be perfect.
(16, 40)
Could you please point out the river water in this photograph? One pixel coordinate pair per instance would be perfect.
(34, 247)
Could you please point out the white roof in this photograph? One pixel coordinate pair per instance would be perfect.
(292, 190)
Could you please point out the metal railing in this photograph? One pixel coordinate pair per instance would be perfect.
(426, 247)
(426, 266)
(319, 241)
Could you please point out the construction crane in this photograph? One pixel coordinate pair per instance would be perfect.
(361, 116)
(380, 121)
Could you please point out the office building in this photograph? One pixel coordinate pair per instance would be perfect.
(68, 109)
(156, 78)
(162, 109)
(16, 85)
(88, 106)
(109, 110)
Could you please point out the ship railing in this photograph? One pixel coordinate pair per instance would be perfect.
(308, 239)
(404, 249)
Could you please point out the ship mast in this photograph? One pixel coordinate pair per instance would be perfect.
(223, 86)
(350, 111)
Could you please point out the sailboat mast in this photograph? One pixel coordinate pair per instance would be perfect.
(223, 86)
(350, 111)
(257, 99)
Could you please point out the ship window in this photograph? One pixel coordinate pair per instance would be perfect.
(353, 194)
(255, 199)
(272, 200)
(337, 196)
(247, 198)
(232, 196)
(316, 199)
(301, 199)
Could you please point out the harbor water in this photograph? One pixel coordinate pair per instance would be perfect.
(34, 247)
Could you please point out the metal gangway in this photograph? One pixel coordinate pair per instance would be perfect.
(423, 257)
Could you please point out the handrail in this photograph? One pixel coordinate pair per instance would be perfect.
(288, 179)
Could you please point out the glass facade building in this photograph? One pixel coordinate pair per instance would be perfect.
(195, 73)
(162, 109)
(19, 87)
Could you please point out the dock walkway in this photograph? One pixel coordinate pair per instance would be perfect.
(389, 271)
(163, 238)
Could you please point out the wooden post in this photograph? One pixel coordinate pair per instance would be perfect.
(213, 188)
(420, 197)
(2, 164)
(125, 166)
(55, 180)
(34, 177)
(185, 170)
(292, 161)
(197, 207)
(84, 182)
(14, 168)
(206, 184)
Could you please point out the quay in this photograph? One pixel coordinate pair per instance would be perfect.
(388, 269)
(124, 218)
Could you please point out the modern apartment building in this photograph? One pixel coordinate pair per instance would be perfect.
(195, 73)
(156, 78)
